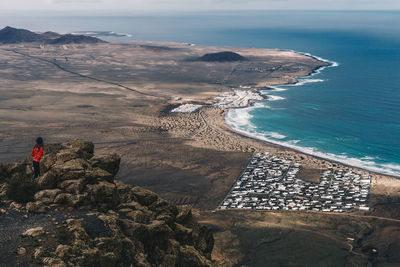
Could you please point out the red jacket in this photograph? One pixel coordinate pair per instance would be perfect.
(37, 153)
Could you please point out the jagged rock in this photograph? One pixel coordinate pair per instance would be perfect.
(37, 253)
(138, 216)
(47, 261)
(110, 163)
(189, 256)
(124, 225)
(103, 193)
(15, 206)
(47, 196)
(73, 186)
(21, 251)
(82, 145)
(63, 251)
(66, 155)
(3, 190)
(184, 216)
(183, 234)
(144, 196)
(49, 179)
(34, 232)
(73, 169)
(36, 207)
(66, 199)
(98, 174)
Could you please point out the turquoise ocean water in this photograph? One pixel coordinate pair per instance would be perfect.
(349, 112)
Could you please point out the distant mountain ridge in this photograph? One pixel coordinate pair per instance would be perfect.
(10, 35)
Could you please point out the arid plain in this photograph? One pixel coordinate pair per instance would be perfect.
(119, 95)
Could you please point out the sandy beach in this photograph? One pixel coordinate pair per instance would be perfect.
(120, 96)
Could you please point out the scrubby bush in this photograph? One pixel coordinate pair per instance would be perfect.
(20, 186)
(3, 172)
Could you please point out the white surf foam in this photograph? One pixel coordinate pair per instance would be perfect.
(275, 98)
(239, 121)
(239, 117)
(276, 135)
(305, 81)
(278, 89)
(363, 163)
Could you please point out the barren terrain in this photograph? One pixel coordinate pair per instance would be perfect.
(119, 96)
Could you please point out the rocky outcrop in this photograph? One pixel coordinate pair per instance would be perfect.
(122, 225)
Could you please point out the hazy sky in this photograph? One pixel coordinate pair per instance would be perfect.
(198, 4)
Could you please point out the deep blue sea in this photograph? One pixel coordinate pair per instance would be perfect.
(349, 113)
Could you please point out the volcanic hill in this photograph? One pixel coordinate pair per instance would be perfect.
(226, 56)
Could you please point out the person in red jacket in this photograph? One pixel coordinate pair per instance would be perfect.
(37, 153)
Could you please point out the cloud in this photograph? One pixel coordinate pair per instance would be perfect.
(198, 4)
(74, 1)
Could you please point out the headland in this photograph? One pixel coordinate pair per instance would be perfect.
(120, 96)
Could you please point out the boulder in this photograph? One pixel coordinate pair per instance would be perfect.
(73, 169)
(49, 179)
(66, 155)
(82, 145)
(37, 253)
(144, 196)
(21, 251)
(34, 232)
(47, 196)
(15, 206)
(103, 194)
(110, 163)
(189, 256)
(98, 174)
(36, 207)
(73, 186)
(66, 199)
(63, 251)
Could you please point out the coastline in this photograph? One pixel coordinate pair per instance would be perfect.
(359, 164)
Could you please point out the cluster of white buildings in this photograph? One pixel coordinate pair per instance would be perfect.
(271, 183)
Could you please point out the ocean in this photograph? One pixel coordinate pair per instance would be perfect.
(349, 112)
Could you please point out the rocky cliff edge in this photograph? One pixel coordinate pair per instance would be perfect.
(96, 219)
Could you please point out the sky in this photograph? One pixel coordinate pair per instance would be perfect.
(132, 5)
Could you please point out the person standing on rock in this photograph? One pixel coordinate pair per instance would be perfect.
(37, 153)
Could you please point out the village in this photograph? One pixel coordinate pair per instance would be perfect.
(271, 183)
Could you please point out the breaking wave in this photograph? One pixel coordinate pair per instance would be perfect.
(240, 121)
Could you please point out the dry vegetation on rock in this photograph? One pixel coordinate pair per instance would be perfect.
(105, 222)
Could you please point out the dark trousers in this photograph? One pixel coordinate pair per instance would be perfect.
(36, 169)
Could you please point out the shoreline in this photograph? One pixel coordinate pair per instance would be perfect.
(317, 154)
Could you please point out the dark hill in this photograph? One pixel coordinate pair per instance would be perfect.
(226, 56)
(51, 35)
(76, 39)
(10, 35)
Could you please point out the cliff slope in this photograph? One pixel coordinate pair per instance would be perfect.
(76, 214)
